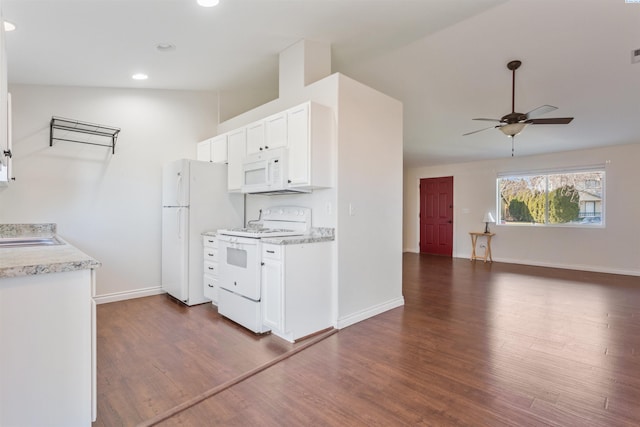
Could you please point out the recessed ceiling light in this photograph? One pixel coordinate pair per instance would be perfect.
(9, 26)
(140, 76)
(165, 47)
(208, 3)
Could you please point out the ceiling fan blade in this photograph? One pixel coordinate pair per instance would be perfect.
(537, 112)
(480, 130)
(553, 121)
(488, 120)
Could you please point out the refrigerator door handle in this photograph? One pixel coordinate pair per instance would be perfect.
(179, 219)
(179, 188)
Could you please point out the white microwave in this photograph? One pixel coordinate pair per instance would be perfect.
(267, 172)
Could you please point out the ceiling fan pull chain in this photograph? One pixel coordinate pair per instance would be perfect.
(512, 146)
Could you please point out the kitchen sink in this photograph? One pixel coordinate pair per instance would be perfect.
(23, 242)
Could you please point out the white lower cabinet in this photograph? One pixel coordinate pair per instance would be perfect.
(272, 287)
(210, 244)
(297, 289)
(47, 350)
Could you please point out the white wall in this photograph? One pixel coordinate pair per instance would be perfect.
(107, 205)
(614, 248)
(369, 204)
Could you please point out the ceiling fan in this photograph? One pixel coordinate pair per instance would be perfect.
(513, 123)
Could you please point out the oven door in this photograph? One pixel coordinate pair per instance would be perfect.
(240, 266)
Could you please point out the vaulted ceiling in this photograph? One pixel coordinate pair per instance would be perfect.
(445, 60)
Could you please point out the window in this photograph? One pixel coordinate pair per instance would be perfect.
(552, 198)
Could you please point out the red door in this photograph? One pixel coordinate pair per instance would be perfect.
(436, 216)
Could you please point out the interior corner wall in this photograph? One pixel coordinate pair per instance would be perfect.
(109, 206)
(369, 192)
(614, 248)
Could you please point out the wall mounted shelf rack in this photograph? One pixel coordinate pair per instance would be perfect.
(108, 134)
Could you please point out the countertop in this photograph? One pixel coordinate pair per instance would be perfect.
(32, 260)
(315, 235)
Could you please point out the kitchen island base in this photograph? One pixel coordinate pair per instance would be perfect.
(47, 350)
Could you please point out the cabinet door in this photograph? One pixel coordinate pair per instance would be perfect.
(5, 166)
(275, 131)
(211, 288)
(236, 150)
(272, 294)
(203, 152)
(255, 137)
(298, 135)
(219, 149)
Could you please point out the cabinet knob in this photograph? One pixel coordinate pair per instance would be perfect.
(262, 263)
(266, 147)
(211, 286)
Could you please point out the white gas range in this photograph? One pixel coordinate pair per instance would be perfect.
(240, 297)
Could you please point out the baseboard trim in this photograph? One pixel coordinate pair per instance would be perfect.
(121, 296)
(369, 312)
(578, 267)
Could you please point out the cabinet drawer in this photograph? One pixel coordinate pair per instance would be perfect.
(211, 268)
(210, 241)
(211, 288)
(210, 254)
(271, 251)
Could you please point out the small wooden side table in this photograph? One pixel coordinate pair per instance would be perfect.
(487, 250)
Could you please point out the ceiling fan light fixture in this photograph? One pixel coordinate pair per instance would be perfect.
(512, 129)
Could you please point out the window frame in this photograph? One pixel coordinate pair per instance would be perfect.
(546, 173)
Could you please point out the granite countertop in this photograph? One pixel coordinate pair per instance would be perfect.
(26, 261)
(315, 235)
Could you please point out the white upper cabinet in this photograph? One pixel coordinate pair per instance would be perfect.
(213, 149)
(310, 142)
(308, 133)
(219, 149)
(275, 128)
(203, 151)
(255, 137)
(267, 133)
(5, 116)
(236, 150)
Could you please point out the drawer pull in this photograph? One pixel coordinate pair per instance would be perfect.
(211, 286)
(210, 254)
(210, 268)
(271, 252)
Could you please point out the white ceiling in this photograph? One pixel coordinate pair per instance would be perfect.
(444, 59)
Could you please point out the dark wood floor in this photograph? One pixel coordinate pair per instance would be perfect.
(475, 344)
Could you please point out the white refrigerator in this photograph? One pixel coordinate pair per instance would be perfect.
(194, 200)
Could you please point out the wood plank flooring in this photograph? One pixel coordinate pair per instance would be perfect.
(475, 345)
